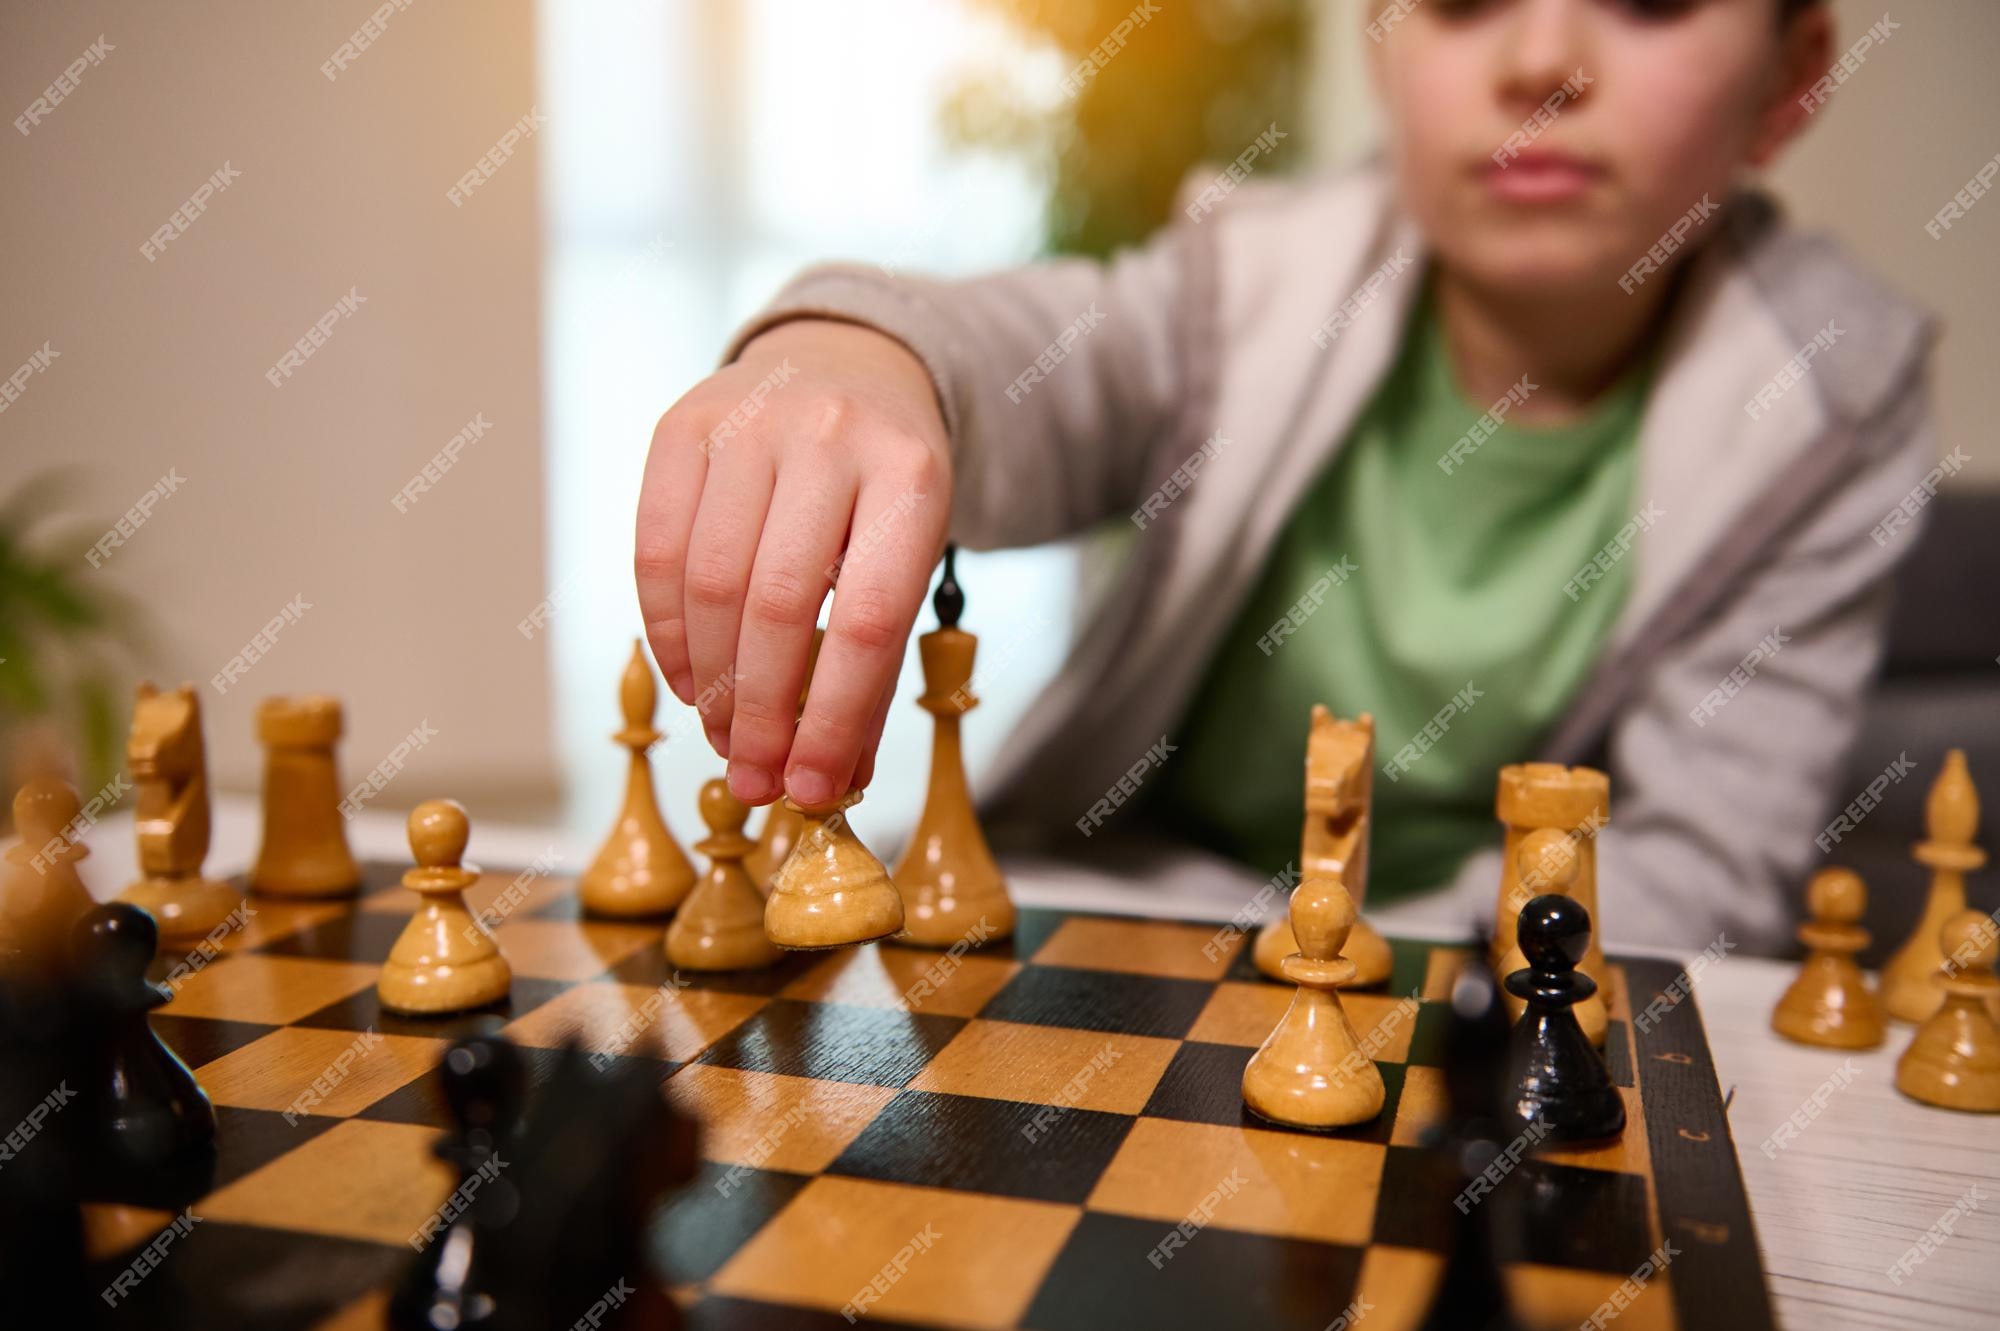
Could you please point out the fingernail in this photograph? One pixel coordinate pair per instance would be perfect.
(807, 786)
(750, 783)
(682, 683)
(718, 739)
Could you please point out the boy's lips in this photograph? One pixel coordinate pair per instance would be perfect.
(1540, 176)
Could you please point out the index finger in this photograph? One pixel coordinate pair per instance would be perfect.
(891, 545)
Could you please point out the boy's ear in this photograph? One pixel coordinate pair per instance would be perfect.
(1805, 53)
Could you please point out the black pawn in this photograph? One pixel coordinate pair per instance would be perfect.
(1471, 1295)
(451, 1284)
(1560, 1082)
(147, 1131)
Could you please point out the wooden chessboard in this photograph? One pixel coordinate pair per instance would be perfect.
(889, 1107)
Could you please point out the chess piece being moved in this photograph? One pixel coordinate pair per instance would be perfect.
(147, 1130)
(952, 890)
(720, 927)
(1560, 1082)
(1311, 1071)
(1549, 858)
(1951, 821)
(1954, 1060)
(640, 870)
(1830, 1003)
(452, 1282)
(445, 960)
(782, 822)
(1340, 792)
(44, 895)
(170, 767)
(1575, 801)
(831, 890)
(304, 852)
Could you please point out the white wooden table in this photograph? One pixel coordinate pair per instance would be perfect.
(1838, 1203)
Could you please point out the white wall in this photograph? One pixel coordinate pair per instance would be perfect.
(287, 491)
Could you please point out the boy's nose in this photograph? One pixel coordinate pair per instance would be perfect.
(1544, 43)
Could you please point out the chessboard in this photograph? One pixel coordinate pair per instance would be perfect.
(1047, 1131)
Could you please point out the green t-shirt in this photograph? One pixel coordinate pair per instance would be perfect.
(1405, 589)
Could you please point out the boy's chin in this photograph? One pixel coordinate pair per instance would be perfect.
(1571, 267)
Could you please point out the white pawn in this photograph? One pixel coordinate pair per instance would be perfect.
(446, 960)
(1311, 1072)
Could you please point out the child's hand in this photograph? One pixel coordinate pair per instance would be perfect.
(822, 437)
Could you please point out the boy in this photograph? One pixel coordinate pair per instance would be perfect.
(1540, 439)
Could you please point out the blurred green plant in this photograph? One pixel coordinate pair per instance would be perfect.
(67, 638)
(1196, 81)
